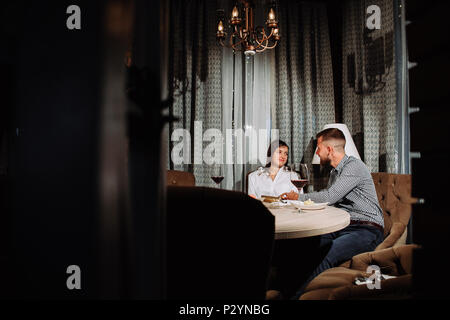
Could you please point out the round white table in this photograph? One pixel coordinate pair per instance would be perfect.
(290, 223)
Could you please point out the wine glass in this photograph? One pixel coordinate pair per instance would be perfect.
(217, 175)
(299, 175)
(304, 172)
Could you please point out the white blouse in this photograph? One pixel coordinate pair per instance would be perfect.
(260, 183)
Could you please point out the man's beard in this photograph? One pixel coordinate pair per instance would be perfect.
(325, 162)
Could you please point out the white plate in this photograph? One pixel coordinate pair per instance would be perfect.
(314, 206)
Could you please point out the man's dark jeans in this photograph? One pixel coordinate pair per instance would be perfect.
(343, 245)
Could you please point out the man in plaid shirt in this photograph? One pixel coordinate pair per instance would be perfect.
(350, 188)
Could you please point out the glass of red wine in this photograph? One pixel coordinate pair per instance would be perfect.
(217, 175)
(299, 175)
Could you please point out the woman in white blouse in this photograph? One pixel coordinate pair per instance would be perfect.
(275, 178)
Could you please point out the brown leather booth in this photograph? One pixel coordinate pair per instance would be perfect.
(392, 255)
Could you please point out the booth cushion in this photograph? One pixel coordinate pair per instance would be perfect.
(338, 282)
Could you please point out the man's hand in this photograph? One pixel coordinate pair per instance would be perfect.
(289, 195)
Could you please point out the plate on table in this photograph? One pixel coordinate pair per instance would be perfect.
(270, 199)
(313, 206)
(275, 204)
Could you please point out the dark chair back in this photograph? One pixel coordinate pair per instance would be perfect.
(219, 244)
(246, 181)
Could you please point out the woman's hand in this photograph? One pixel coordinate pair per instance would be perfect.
(252, 196)
(289, 195)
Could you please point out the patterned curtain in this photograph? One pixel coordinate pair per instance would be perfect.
(247, 111)
(304, 77)
(369, 84)
(216, 100)
(296, 79)
(195, 81)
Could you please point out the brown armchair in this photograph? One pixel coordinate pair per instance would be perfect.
(392, 255)
(180, 178)
(338, 283)
(394, 196)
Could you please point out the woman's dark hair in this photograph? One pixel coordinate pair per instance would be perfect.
(273, 147)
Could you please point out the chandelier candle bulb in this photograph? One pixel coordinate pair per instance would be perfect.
(271, 22)
(235, 16)
(235, 13)
(220, 33)
(271, 15)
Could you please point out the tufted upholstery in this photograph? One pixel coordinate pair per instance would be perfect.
(392, 255)
(394, 196)
(337, 283)
(180, 178)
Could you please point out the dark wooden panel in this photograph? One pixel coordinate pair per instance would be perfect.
(53, 155)
(431, 178)
(429, 81)
(427, 39)
(429, 124)
(429, 31)
(415, 9)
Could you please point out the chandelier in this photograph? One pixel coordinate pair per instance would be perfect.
(243, 35)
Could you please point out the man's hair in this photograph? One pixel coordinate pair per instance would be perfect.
(330, 134)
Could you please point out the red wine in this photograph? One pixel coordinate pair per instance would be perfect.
(217, 179)
(299, 183)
